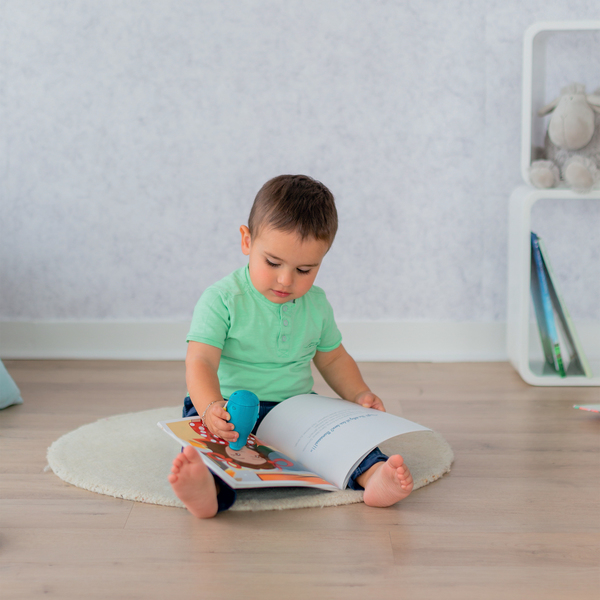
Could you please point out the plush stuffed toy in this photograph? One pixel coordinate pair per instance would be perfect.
(571, 150)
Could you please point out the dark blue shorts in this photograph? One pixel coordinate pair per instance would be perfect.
(226, 495)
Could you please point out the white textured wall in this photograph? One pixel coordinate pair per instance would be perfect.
(134, 136)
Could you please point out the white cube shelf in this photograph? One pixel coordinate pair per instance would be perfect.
(519, 330)
(535, 70)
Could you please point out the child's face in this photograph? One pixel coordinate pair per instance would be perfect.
(245, 455)
(282, 266)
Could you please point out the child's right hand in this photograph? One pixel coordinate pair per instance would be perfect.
(217, 421)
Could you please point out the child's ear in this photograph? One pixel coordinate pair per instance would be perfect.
(246, 239)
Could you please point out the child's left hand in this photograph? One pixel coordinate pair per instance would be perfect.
(369, 400)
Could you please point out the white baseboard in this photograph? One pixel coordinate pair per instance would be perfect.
(160, 340)
(156, 340)
(425, 341)
(110, 340)
(117, 340)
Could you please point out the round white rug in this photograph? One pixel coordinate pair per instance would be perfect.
(128, 456)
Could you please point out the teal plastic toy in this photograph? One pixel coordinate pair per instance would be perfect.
(243, 408)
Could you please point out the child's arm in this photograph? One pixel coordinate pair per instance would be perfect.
(341, 373)
(201, 365)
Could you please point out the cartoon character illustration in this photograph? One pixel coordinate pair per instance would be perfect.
(251, 456)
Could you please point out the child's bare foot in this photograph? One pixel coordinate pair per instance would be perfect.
(194, 484)
(387, 482)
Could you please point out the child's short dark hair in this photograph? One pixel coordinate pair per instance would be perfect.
(295, 203)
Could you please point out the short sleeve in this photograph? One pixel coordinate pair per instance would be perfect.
(331, 337)
(211, 320)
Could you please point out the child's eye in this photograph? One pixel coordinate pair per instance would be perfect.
(275, 265)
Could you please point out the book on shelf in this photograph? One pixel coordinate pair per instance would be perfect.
(543, 311)
(549, 303)
(305, 441)
(578, 364)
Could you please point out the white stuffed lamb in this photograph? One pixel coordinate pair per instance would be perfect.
(572, 145)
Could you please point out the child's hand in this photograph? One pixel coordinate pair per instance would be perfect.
(369, 400)
(217, 420)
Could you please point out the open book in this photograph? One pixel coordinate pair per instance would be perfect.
(306, 441)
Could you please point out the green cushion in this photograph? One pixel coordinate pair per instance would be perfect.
(9, 392)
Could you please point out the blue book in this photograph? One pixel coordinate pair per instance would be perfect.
(543, 310)
(578, 364)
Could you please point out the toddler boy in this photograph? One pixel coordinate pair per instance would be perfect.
(259, 328)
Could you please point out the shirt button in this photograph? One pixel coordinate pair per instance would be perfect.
(286, 323)
(284, 308)
(284, 338)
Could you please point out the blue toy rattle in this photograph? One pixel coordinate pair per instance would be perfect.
(243, 408)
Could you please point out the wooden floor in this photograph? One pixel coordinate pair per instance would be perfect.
(518, 516)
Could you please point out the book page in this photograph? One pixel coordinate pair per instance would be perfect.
(257, 464)
(328, 435)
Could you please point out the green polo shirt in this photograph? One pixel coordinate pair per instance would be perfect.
(266, 347)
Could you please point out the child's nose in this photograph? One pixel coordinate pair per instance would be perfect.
(285, 278)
